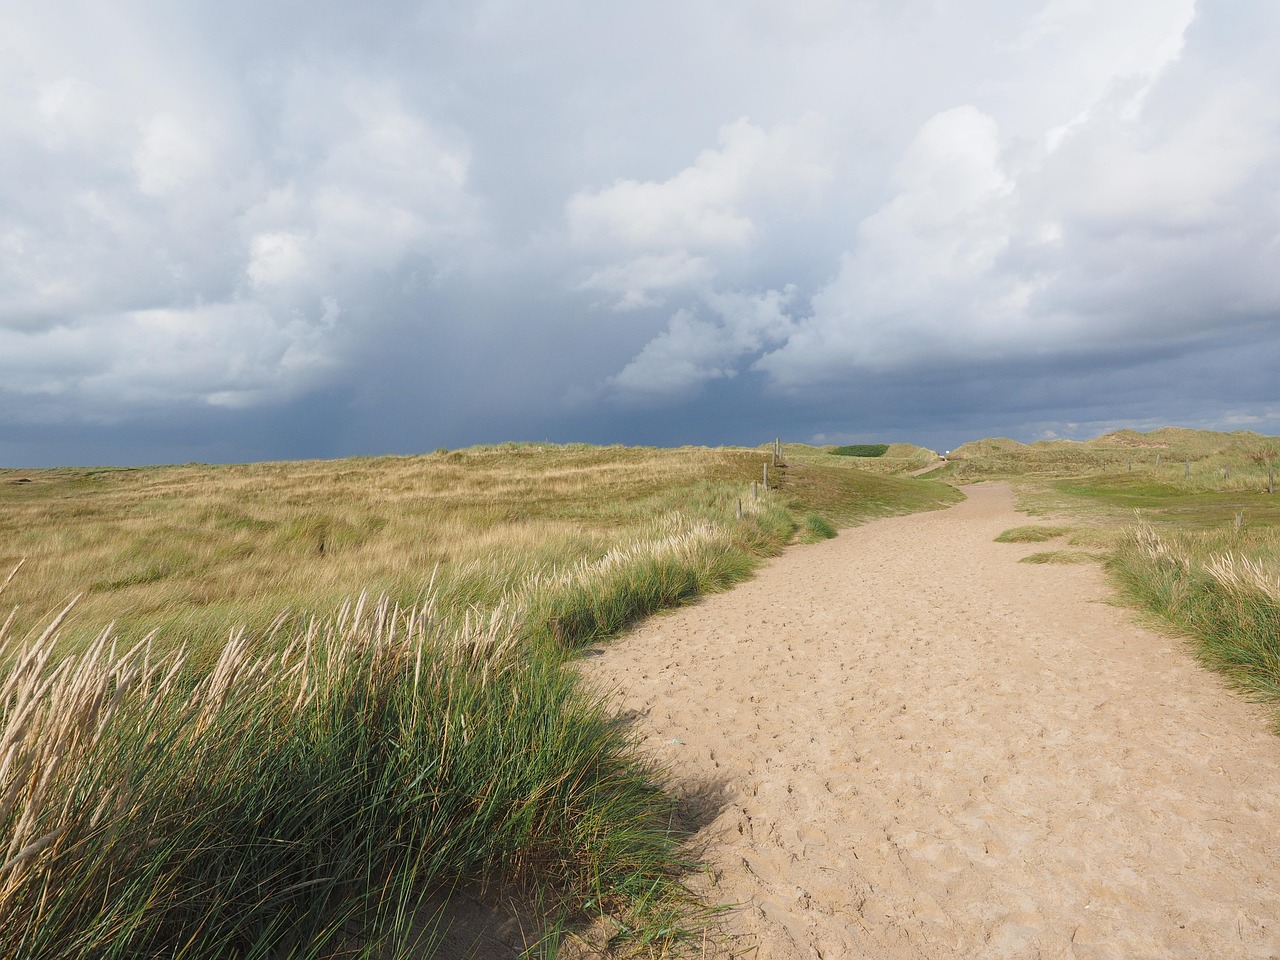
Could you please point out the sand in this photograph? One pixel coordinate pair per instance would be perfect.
(904, 743)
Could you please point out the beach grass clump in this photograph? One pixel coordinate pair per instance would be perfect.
(817, 527)
(1222, 588)
(1061, 557)
(1032, 533)
(306, 801)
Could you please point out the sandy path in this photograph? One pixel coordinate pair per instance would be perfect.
(914, 746)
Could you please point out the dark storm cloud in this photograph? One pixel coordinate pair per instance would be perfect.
(233, 231)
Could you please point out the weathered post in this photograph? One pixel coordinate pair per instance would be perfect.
(1186, 470)
(755, 489)
(1131, 464)
(1157, 461)
(1271, 479)
(739, 508)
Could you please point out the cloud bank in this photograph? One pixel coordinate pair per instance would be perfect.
(233, 234)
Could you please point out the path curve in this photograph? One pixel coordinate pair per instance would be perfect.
(909, 745)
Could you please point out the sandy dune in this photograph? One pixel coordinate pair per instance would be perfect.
(907, 744)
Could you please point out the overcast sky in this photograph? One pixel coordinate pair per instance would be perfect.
(259, 230)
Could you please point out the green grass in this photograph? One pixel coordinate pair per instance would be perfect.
(315, 798)
(1223, 589)
(818, 527)
(861, 450)
(850, 496)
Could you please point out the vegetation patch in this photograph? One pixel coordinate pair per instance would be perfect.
(1034, 533)
(1062, 556)
(849, 496)
(818, 527)
(1222, 589)
(861, 450)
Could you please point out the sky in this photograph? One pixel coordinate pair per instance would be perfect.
(235, 231)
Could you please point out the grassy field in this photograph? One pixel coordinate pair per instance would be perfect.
(297, 702)
(1185, 521)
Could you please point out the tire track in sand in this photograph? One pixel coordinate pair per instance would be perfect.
(910, 745)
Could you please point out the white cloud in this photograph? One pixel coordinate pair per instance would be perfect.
(708, 205)
(695, 349)
(1132, 226)
(160, 250)
(170, 154)
(910, 284)
(222, 355)
(644, 281)
(677, 232)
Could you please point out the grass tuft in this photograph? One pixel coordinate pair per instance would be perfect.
(1062, 556)
(1033, 533)
(818, 527)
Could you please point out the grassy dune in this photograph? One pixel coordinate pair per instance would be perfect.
(297, 702)
(194, 550)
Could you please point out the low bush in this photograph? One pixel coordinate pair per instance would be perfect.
(861, 450)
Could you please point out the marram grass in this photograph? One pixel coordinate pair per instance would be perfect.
(303, 802)
(1223, 589)
(1032, 533)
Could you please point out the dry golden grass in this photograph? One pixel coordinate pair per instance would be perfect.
(193, 550)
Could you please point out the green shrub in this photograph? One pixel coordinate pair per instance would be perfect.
(861, 450)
